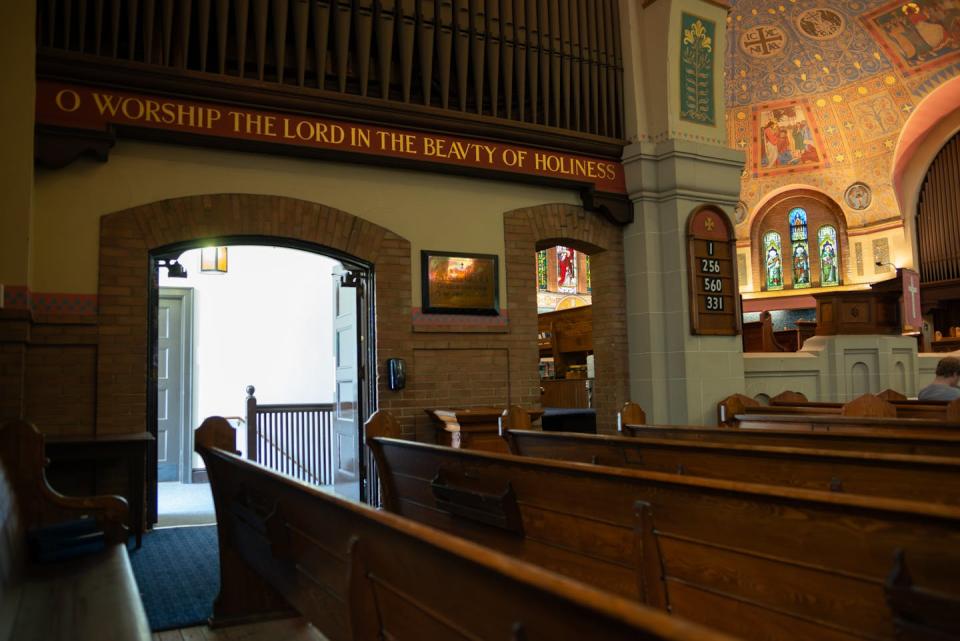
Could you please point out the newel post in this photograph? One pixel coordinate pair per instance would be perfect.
(251, 423)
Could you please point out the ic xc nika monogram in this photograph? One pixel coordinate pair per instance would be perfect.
(763, 41)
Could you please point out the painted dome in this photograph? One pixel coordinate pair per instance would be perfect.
(817, 92)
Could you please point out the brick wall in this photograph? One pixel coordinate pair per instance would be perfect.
(529, 229)
(92, 376)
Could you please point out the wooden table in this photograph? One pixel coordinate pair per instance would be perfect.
(475, 428)
(130, 448)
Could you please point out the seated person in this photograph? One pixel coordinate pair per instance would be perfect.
(944, 386)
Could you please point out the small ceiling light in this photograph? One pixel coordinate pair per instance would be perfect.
(213, 260)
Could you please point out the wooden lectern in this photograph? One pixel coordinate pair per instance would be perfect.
(874, 311)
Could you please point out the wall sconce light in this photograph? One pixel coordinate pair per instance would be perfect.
(213, 260)
(174, 267)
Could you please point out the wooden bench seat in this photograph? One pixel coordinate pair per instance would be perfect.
(361, 574)
(911, 477)
(752, 560)
(92, 597)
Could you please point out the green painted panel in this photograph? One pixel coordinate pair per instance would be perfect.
(696, 70)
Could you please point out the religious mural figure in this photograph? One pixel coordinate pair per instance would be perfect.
(827, 239)
(920, 33)
(787, 138)
(566, 269)
(773, 265)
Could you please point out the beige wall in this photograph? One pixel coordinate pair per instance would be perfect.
(16, 131)
(838, 368)
(432, 211)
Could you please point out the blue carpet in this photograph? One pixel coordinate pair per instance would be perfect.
(178, 573)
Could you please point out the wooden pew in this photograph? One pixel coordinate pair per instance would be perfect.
(866, 405)
(910, 477)
(360, 574)
(751, 560)
(88, 598)
(882, 440)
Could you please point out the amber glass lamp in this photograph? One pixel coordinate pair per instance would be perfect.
(213, 260)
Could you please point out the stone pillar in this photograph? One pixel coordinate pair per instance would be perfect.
(18, 70)
(677, 160)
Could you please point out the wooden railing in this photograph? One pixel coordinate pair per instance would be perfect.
(556, 63)
(294, 439)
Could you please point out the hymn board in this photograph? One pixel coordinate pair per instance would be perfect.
(711, 250)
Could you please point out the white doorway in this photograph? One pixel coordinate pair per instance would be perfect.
(266, 321)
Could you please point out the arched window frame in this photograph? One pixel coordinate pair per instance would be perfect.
(773, 215)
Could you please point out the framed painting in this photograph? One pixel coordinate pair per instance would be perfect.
(459, 283)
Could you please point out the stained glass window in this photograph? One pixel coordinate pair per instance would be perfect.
(798, 224)
(586, 264)
(542, 270)
(799, 249)
(773, 260)
(566, 270)
(829, 260)
(801, 264)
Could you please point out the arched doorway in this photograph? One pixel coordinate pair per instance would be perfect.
(532, 229)
(131, 242)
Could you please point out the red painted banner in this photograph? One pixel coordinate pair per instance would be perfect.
(80, 106)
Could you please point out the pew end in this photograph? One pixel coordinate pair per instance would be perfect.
(244, 596)
(382, 423)
(216, 433)
(728, 408)
(513, 418)
(891, 395)
(869, 406)
(952, 411)
(630, 414)
(22, 451)
(918, 614)
(788, 397)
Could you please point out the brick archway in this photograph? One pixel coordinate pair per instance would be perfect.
(127, 237)
(529, 229)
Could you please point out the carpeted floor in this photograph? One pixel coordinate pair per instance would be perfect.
(178, 573)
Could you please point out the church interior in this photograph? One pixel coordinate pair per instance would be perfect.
(480, 319)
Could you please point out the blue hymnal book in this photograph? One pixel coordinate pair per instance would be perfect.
(66, 540)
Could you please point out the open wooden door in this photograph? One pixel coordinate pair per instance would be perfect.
(347, 463)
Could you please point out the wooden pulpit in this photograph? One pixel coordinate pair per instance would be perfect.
(873, 311)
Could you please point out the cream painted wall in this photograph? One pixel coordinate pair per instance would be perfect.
(901, 255)
(431, 211)
(837, 368)
(17, 67)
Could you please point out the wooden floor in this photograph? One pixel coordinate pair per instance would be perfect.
(282, 630)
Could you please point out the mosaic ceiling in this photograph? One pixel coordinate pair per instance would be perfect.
(818, 90)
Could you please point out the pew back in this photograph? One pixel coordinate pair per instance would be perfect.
(893, 441)
(751, 560)
(911, 477)
(364, 575)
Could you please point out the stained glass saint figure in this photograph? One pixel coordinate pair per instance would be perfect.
(772, 261)
(829, 268)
